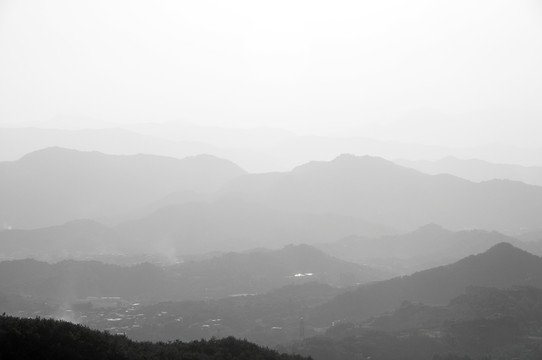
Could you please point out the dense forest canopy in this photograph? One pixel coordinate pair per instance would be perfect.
(23, 339)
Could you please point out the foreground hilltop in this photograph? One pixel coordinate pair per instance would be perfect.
(23, 339)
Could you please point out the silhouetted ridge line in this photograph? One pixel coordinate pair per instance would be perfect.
(56, 185)
(382, 192)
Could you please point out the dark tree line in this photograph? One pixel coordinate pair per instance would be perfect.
(23, 339)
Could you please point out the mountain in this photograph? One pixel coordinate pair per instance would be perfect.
(477, 170)
(237, 225)
(429, 246)
(55, 185)
(52, 339)
(293, 151)
(233, 273)
(501, 266)
(382, 192)
(255, 149)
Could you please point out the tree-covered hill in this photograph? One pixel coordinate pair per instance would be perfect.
(51, 339)
(484, 323)
(502, 266)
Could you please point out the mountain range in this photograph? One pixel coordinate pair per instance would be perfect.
(229, 274)
(379, 191)
(426, 247)
(55, 185)
(255, 149)
(17, 142)
(163, 205)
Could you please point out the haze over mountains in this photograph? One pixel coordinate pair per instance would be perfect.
(197, 204)
(382, 192)
(74, 239)
(426, 247)
(477, 170)
(17, 142)
(197, 240)
(236, 225)
(353, 180)
(55, 185)
(68, 281)
(254, 149)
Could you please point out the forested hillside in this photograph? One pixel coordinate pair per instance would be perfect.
(22, 339)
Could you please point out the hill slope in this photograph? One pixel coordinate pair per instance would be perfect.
(50, 339)
(501, 266)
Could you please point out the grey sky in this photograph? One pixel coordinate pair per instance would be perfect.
(452, 72)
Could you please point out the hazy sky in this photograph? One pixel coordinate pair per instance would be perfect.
(455, 72)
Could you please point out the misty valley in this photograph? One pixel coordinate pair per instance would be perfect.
(358, 257)
(270, 180)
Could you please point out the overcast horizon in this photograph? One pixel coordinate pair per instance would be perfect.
(450, 73)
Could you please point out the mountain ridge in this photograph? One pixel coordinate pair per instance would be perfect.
(380, 191)
(56, 185)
